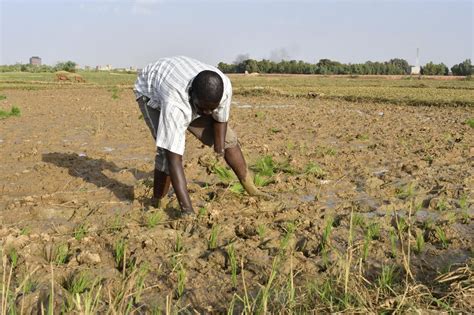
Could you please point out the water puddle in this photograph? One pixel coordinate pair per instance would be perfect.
(276, 106)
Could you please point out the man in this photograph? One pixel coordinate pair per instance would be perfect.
(178, 94)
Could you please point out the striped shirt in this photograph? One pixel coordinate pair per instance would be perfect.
(166, 83)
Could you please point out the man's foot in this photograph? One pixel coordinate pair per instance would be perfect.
(252, 190)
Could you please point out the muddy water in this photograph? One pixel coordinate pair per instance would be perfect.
(87, 164)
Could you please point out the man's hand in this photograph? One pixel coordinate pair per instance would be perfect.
(179, 181)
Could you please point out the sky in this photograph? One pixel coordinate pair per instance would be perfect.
(136, 32)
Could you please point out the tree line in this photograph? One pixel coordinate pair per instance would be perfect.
(394, 66)
(69, 66)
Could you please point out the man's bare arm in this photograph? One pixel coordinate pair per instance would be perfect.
(220, 129)
(178, 180)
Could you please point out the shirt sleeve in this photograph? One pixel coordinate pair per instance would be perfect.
(172, 125)
(221, 113)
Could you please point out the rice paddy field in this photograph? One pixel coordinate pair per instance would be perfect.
(372, 209)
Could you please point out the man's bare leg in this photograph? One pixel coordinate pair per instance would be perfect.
(235, 159)
(161, 186)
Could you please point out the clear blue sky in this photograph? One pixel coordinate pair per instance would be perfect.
(134, 33)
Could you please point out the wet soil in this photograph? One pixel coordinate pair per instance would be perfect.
(79, 157)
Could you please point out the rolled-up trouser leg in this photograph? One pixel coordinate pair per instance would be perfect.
(161, 179)
(203, 129)
(152, 117)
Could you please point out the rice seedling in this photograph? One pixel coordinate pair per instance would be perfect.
(285, 167)
(373, 231)
(362, 137)
(470, 122)
(212, 243)
(420, 242)
(393, 243)
(463, 203)
(120, 247)
(88, 302)
(153, 218)
(233, 264)
(78, 283)
(358, 220)
(327, 232)
(2, 97)
(261, 181)
(202, 212)
(321, 151)
(386, 278)
(405, 192)
(80, 232)
(117, 224)
(13, 257)
(142, 274)
(178, 245)
(61, 254)
(14, 112)
(181, 275)
(441, 235)
(401, 224)
(265, 166)
(290, 145)
(115, 93)
(441, 205)
(314, 169)
(237, 188)
(25, 231)
(223, 173)
(261, 231)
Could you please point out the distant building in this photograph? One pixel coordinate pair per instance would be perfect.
(104, 68)
(415, 70)
(35, 61)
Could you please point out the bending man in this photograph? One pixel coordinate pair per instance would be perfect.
(178, 94)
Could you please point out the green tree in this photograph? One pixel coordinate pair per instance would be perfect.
(434, 69)
(464, 68)
(69, 66)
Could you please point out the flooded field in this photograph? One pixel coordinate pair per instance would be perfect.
(372, 210)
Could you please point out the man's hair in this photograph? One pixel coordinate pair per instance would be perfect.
(208, 86)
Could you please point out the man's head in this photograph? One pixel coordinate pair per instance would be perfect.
(206, 92)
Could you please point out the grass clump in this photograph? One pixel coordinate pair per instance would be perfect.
(386, 278)
(261, 181)
(237, 188)
(181, 275)
(420, 242)
(441, 235)
(114, 90)
(153, 219)
(470, 122)
(261, 231)
(212, 243)
(223, 173)
(80, 232)
(265, 166)
(2, 97)
(233, 264)
(61, 254)
(13, 257)
(14, 112)
(119, 252)
(79, 283)
(315, 170)
(405, 192)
